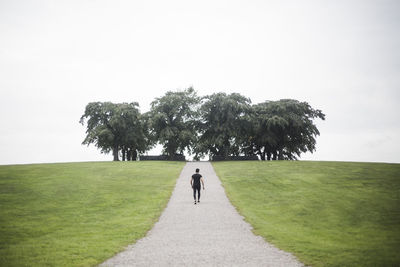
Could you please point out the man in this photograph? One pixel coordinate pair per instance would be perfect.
(195, 183)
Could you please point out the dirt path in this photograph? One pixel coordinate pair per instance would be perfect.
(211, 233)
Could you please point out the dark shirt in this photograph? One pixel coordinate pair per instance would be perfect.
(196, 179)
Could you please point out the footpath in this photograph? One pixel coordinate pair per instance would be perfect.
(211, 233)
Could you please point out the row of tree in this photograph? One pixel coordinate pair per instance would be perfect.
(219, 125)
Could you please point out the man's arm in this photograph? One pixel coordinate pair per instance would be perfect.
(201, 179)
(191, 182)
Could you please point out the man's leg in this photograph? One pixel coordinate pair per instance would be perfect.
(198, 193)
(194, 193)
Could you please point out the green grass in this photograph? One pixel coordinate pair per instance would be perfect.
(326, 213)
(79, 214)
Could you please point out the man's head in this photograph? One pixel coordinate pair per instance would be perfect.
(197, 170)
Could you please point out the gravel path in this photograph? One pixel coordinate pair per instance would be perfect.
(211, 233)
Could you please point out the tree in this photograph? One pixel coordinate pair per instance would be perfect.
(282, 129)
(222, 124)
(218, 125)
(111, 127)
(135, 137)
(172, 120)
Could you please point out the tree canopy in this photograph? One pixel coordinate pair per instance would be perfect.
(115, 127)
(172, 118)
(221, 124)
(217, 125)
(282, 129)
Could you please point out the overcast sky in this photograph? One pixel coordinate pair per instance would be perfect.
(341, 56)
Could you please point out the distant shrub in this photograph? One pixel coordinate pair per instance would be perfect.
(230, 158)
(163, 157)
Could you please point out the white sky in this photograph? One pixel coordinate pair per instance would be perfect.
(341, 56)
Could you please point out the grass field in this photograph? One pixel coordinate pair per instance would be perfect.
(326, 213)
(79, 214)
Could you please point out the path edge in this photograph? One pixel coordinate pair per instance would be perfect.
(156, 220)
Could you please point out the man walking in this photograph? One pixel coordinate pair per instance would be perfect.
(195, 183)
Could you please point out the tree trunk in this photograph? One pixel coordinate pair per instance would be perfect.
(123, 154)
(268, 155)
(170, 152)
(129, 155)
(275, 155)
(134, 155)
(262, 154)
(115, 153)
(280, 155)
